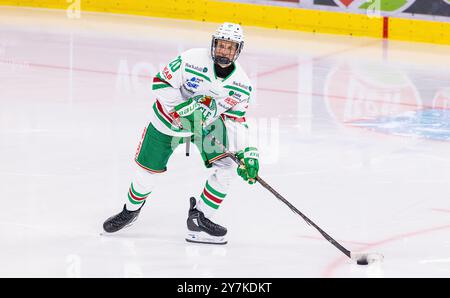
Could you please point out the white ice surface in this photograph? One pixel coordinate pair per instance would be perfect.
(75, 96)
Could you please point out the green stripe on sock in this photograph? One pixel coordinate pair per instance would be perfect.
(214, 192)
(133, 201)
(138, 194)
(208, 202)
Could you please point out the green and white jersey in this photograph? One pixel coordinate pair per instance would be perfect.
(192, 73)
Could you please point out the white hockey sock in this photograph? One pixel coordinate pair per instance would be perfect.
(216, 187)
(140, 188)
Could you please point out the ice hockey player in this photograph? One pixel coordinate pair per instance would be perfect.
(202, 93)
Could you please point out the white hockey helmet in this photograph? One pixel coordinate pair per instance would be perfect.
(231, 32)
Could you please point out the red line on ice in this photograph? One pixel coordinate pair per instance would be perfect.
(331, 268)
(441, 210)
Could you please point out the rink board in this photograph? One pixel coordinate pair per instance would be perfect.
(263, 16)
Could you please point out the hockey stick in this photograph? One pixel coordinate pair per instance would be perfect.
(360, 258)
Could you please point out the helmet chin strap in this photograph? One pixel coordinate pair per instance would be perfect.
(222, 60)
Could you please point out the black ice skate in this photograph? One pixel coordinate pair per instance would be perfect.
(121, 220)
(201, 229)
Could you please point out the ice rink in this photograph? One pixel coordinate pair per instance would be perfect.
(355, 132)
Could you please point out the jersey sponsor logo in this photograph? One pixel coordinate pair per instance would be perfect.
(238, 84)
(237, 96)
(220, 104)
(214, 92)
(228, 103)
(197, 68)
(196, 80)
(167, 73)
(231, 101)
(188, 109)
(193, 82)
(192, 85)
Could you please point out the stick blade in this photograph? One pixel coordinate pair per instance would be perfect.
(366, 258)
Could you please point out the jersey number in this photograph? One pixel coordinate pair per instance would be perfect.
(175, 64)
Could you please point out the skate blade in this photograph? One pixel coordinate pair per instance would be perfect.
(204, 238)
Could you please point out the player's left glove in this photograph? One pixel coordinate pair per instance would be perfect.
(249, 168)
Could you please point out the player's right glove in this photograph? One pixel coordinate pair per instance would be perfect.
(249, 168)
(189, 115)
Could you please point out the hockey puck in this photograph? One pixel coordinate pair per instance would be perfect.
(362, 262)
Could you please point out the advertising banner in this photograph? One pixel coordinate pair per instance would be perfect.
(403, 8)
